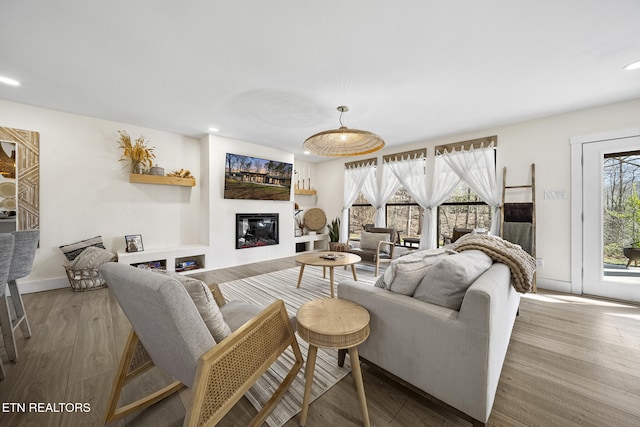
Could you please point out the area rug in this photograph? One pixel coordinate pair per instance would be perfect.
(263, 290)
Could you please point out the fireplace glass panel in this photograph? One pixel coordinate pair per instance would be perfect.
(254, 230)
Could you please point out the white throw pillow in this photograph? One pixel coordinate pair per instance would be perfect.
(405, 273)
(205, 303)
(446, 282)
(371, 240)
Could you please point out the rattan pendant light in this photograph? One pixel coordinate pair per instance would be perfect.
(343, 141)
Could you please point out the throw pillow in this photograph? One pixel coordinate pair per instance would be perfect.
(206, 305)
(72, 250)
(446, 282)
(370, 241)
(92, 257)
(413, 269)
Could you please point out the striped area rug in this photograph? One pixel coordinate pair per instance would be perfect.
(263, 290)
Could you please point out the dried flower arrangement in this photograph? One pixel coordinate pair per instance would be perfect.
(138, 154)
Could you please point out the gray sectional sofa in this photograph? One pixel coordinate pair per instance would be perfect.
(455, 356)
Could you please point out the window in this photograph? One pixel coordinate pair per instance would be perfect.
(360, 214)
(404, 214)
(462, 210)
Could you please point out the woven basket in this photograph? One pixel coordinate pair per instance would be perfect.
(85, 279)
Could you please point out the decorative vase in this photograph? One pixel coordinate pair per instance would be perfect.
(136, 167)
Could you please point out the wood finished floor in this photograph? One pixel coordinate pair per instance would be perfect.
(572, 361)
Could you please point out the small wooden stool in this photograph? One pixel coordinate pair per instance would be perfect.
(338, 324)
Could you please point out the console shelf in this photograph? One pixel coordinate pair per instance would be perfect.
(140, 178)
(180, 258)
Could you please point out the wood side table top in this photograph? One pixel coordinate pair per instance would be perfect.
(333, 323)
(315, 258)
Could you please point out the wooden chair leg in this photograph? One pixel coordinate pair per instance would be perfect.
(134, 361)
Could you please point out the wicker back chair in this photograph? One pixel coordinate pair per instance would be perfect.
(169, 332)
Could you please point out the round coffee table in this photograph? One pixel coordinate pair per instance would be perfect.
(338, 324)
(316, 259)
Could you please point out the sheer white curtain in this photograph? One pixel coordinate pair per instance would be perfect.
(477, 168)
(354, 179)
(379, 195)
(428, 187)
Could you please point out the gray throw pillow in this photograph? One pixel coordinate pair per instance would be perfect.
(405, 273)
(205, 303)
(446, 282)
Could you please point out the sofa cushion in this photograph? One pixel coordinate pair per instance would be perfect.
(369, 241)
(446, 282)
(205, 303)
(405, 273)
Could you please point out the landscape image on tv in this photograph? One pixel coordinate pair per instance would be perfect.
(258, 179)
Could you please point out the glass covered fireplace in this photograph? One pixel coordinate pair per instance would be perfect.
(256, 229)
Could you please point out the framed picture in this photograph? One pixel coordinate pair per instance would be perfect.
(133, 243)
(258, 179)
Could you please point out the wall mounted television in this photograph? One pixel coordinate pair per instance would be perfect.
(253, 178)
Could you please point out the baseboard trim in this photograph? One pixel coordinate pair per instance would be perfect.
(43, 285)
(553, 285)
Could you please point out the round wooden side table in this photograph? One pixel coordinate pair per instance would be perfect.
(333, 323)
(317, 259)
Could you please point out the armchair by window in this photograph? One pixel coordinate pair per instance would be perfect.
(376, 245)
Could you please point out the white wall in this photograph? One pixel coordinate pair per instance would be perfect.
(222, 212)
(84, 189)
(544, 142)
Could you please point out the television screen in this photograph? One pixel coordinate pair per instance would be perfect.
(258, 179)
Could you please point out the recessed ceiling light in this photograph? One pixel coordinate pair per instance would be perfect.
(8, 81)
(634, 66)
(307, 152)
(214, 130)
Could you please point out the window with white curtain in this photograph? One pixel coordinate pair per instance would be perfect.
(475, 162)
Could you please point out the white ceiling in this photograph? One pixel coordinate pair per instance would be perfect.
(273, 72)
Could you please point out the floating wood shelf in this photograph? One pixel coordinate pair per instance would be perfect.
(305, 192)
(162, 180)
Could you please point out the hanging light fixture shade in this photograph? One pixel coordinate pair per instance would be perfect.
(343, 141)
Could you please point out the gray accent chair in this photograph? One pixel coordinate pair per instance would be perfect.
(169, 332)
(6, 252)
(380, 251)
(24, 252)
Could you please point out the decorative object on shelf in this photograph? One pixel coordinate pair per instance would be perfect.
(182, 173)
(138, 154)
(133, 243)
(342, 141)
(314, 219)
(156, 170)
(299, 220)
